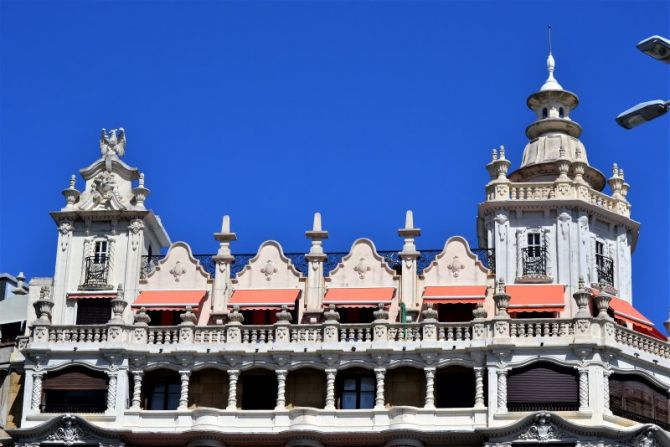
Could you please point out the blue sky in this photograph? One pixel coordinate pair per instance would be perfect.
(269, 111)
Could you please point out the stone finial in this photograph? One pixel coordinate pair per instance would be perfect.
(494, 154)
(73, 181)
(409, 219)
(284, 316)
(331, 314)
(581, 297)
(118, 306)
(666, 323)
(225, 235)
(316, 235)
(616, 182)
(188, 317)
(141, 181)
(140, 192)
(235, 317)
(502, 152)
(498, 166)
(225, 224)
(316, 225)
(20, 284)
(381, 314)
(70, 193)
(409, 233)
(142, 318)
(429, 313)
(501, 299)
(479, 313)
(615, 170)
(43, 306)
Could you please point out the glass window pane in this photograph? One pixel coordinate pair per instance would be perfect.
(350, 384)
(367, 400)
(348, 400)
(367, 383)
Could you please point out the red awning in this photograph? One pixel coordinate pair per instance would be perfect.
(90, 295)
(359, 297)
(536, 298)
(454, 294)
(169, 299)
(650, 331)
(264, 298)
(625, 311)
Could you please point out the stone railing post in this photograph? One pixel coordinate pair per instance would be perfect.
(380, 374)
(315, 258)
(501, 391)
(187, 326)
(43, 310)
(380, 325)
(223, 260)
(408, 257)
(233, 376)
(111, 391)
(283, 326)
(430, 386)
(330, 388)
(479, 323)
(141, 327)
(233, 328)
(501, 325)
(115, 330)
(36, 394)
(331, 325)
(479, 387)
(185, 376)
(281, 389)
(137, 390)
(429, 324)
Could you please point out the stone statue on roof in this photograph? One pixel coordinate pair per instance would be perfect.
(112, 144)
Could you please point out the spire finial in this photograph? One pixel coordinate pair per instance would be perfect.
(551, 83)
(409, 219)
(225, 225)
(316, 225)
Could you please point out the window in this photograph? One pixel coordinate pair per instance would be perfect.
(455, 387)
(357, 390)
(100, 251)
(534, 245)
(258, 390)
(544, 113)
(164, 317)
(94, 311)
(75, 390)
(635, 398)
(356, 315)
(543, 386)
(604, 265)
(9, 331)
(162, 390)
(534, 255)
(561, 114)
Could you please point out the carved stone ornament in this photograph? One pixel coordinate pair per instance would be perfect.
(65, 228)
(646, 438)
(542, 430)
(177, 270)
(104, 193)
(69, 431)
(362, 268)
(268, 270)
(112, 144)
(456, 266)
(134, 228)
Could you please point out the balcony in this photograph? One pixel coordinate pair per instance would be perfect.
(96, 272)
(534, 264)
(605, 270)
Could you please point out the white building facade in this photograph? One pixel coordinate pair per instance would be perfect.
(530, 339)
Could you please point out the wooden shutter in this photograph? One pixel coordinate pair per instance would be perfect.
(94, 311)
(542, 383)
(75, 379)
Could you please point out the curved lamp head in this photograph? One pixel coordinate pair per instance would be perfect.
(657, 47)
(642, 113)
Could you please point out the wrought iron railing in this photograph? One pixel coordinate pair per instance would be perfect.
(534, 261)
(96, 271)
(605, 269)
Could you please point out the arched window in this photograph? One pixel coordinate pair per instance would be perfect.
(543, 386)
(561, 114)
(74, 390)
(635, 398)
(356, 389)
(545, 113)
(455, 387)
(161, 390)
(257, 390)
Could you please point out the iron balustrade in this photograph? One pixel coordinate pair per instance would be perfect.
(605, 269)
(534, 261)
(96, 273)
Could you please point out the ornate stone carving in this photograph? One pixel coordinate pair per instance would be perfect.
(502, 390)
(134, 229)
(36, 395)
(542, 430)
(183, 396)
(645, 439)
(68, 433)
(330, 389)
(112, 144)
(583, 388)
(65, 228)
(104, 193)
(281, 389)
(380, 374)
(455, 267)
(362, 268)
(177, 270)
(269, 269)
(111, 391)
(137, 389)
(479, 387)
(233, 375)
(430, 387)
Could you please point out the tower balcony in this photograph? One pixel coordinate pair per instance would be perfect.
(96, 273)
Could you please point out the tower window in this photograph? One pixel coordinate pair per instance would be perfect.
(100, 251)
(534, 245)
(545, 113)
(534, 256)
(604, 265)
(561, 114)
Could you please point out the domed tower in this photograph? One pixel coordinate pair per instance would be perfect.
(549, 221)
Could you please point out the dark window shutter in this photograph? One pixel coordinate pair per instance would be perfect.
(542, 385)
(94, 311)
(635, 398)
(75, 378)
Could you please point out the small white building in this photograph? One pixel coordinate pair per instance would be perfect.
(532, 338)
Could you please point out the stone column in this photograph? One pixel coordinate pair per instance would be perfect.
(330, 389)
(233, 375)
(136, 403)
(36, 396)
(111, 391)
(583, 389)
(408, 257)
(183, 396)
(281, 389)
(430, 387)
(380, 374)
(606, 391)
(315, 259)
(502, 390)
(223, 260)
(479, 387)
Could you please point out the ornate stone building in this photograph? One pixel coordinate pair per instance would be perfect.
(530, 339)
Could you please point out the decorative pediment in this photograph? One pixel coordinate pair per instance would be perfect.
(269, 269)
(456, 265)
(362, 267)
(65, 430)
(178, 270)
(104, 191)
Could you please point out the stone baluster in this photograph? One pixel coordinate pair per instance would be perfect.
(430, 387)
(330, 388)
(479, 387)
(281, 389)
(137, 390)
(315, 259)
(233, 376)
(185, 375)
(36, 396)
(408, 257)
(224, 260)
(502, 390)
(380, 374)
(111, 391)
(583, 389)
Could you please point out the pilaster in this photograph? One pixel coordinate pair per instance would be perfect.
(222, 277)
(315, 288)
(408, 257)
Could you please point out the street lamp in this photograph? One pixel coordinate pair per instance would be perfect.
(659, 48)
